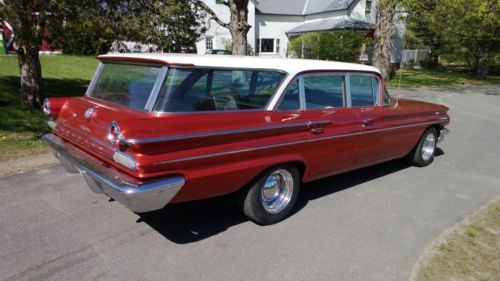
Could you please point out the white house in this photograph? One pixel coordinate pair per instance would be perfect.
(274, 22)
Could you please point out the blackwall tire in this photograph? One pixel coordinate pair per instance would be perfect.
(423, 154)
(271, 196)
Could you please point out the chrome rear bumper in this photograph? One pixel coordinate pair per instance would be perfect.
(443, 133)
(135, 195)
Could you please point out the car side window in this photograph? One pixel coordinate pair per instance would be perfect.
(364, 90)
(200, 89)
(324, 91)
(291, 97)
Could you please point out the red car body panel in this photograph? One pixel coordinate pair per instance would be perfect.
(219, 152)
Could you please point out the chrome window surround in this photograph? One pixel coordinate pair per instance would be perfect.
(163, 75)
(91, 86)
(274, 100)
(284, 81)
(348, 87)
(274, 105)
(152, 95)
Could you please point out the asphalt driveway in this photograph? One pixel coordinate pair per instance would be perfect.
(371, 224)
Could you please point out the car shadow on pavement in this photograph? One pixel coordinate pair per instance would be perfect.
(190, 222)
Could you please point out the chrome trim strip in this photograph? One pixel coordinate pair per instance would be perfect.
(111, 148)
(280, 91)
(156, 89)
(287, 143)
(225, 132)
(348, 89)
(94, 79)
(302, 93)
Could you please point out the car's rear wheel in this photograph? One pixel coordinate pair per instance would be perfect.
(271, 196)
(423, 154)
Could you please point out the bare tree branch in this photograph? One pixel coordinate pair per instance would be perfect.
(212, 14)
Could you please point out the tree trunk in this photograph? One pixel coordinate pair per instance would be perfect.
(482, 63)
(239, 43)
(31, 76)
(383, 36)
(238, 26)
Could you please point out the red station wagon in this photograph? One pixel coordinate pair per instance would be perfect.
(155, 129)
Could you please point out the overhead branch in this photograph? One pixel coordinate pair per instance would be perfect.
(200, 4)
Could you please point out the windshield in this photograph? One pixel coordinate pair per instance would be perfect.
(200, 89)
(126, 84)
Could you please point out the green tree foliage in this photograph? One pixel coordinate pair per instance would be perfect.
(90, 27)
(467, 27)
(344, 45)
(427, 28)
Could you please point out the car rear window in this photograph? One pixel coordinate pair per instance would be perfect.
(202, 89)
(126, 84)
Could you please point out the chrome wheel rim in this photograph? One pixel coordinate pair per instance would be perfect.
(277, 191)
(428, 146)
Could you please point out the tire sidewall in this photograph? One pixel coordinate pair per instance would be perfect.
(417, 157)
(252, 205)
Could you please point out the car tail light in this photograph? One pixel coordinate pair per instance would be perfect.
(125, 159)
(46, 107)
(114, 133)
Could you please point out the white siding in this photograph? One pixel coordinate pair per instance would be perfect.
(221, 35)
(276, 26)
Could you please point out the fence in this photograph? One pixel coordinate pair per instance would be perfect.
(414, 58)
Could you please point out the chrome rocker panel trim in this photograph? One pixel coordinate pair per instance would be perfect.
(135, 195)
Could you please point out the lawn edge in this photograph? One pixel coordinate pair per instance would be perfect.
(432, 248)
(26, 164)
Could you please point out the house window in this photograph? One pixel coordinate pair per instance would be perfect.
(277, 46)
(368, 8)
(257, 45)
(219, 1)
(209, 43)
(266, 45)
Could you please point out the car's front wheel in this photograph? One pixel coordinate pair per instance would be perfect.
(271, 196)
(423, 154)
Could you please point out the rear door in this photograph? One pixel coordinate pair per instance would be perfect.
(320, 98)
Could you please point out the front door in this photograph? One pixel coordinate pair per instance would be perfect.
(380, 138)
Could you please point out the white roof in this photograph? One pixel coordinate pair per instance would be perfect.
(223, 61)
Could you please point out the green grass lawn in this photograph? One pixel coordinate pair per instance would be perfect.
(432, 78)
(470, 252)
(20, 128)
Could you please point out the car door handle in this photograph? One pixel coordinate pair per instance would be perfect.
(317, 130)
(317, 127)
(366, 122)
